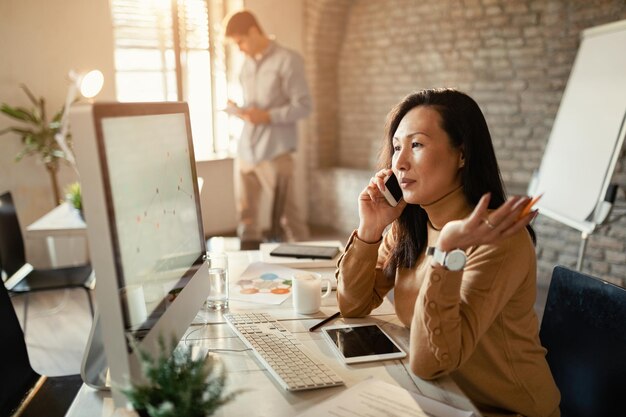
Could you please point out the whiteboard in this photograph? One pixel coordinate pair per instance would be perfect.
(588, 131)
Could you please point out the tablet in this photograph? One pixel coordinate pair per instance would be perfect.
(305, 251)
(362, 343)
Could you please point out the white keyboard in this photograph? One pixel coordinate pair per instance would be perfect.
(284, 356)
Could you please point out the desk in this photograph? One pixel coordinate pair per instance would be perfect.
(62, 223)
(263, 397)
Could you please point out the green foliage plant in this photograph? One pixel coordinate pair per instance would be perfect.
(37, 134)
(178, 385)
(74, 196)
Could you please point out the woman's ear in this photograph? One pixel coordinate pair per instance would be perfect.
(461, 159)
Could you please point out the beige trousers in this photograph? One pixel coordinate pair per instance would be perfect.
(276, 177)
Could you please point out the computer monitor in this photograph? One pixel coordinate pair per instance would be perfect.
(142, 209)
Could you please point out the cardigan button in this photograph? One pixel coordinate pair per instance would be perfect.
(437, 331)
(436, 277)
(445, 356)
(432, 304)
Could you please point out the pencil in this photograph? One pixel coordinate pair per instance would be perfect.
(323, 322)
(529, 206)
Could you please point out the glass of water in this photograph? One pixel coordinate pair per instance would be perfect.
(217, 263)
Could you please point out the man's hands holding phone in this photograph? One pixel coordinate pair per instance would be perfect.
(252, 115)
(375, 211)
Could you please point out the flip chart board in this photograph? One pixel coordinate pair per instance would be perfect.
(588, 131)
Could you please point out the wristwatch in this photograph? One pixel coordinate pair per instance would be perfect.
(452, 261)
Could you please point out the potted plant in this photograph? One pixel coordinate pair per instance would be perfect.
(37, 133)
(178, 385)
(74, 197)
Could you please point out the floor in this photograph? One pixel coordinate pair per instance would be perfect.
(57, 329)
(59, 322)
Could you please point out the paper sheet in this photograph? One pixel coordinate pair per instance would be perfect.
(263, 283)
(374, 398)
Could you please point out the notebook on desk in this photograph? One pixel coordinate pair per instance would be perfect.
(301, 262)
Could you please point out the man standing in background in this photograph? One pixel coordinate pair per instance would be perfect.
(276, 96)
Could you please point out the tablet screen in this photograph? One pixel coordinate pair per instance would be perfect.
(360, 343)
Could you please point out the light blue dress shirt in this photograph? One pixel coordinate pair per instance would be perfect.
(274, 82)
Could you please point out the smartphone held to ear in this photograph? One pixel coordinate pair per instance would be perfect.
(392, 192)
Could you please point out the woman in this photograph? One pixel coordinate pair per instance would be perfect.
(470, 305)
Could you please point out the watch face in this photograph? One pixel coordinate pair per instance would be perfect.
(455, 261)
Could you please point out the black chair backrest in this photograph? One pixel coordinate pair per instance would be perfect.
(16, 374)
(11, 241)
(584, 330)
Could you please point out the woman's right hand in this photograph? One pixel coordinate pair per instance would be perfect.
(375, 213)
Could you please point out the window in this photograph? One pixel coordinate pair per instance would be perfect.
(171, 50)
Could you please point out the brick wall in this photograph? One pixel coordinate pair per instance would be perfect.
(513, 57)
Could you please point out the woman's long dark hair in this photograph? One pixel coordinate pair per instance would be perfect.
(463, 121)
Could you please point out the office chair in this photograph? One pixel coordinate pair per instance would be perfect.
(22, 390)
(22, 277)
(584, 330)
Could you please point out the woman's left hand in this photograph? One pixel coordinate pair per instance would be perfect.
(483, 226)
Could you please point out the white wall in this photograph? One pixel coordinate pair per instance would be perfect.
(40, 41)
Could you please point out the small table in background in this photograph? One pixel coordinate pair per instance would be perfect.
(65, 232)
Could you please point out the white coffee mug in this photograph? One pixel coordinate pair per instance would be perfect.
(307, 292)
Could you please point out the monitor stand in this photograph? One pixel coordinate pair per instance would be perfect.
(94, 366)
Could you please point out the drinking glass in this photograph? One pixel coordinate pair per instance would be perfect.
(217, 263)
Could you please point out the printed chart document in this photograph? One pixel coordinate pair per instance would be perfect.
(373, 398)
(263, 283)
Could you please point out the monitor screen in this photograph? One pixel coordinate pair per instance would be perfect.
(144, 227)
(153, 210)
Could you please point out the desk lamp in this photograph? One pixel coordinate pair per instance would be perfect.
(88, 84)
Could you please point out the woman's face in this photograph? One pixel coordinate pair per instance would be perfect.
(426, 164)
